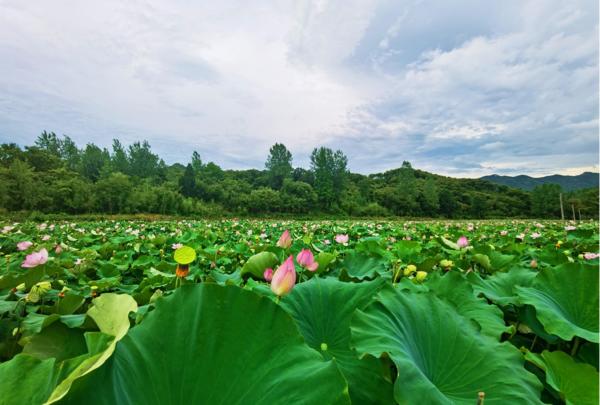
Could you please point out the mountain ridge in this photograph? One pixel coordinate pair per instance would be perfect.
(528, 183)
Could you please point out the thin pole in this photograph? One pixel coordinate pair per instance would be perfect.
(579, 209)
(573, 209)
(562, 210)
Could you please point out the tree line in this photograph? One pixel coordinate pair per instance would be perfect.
(56, 176)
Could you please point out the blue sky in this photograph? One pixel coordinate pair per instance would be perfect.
(462, 88)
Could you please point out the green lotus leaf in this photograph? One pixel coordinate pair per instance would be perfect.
(577, 383)
(324, 259)
(110, 312)
(184, 255)
(441, 359)
(215, 345)
(257, 264)
(566, 300)
(361, 266)
(500, 287)
(456, 290)
(322, 309)
(56, 341)
(26, 380)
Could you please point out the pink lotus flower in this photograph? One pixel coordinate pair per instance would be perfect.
(35, 259)
(284, 278)
(570, 228)
(591, 256)
(268, 274)
(341, 238)
(521, 236)
(24, 245)
(535, 235)
(176, 246)
(462, 242)
(58, 249)
(46, 237)
(285, 241)
(503, 233)
(306, 259)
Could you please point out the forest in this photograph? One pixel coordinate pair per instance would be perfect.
(55, 175)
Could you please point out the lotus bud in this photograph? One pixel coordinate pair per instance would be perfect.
(410, 269)
(268, 274)
(284, 278)
(285, 240)
(446, 264)
(420, 277)
(533, 264)
(462, 242)
(306, 259)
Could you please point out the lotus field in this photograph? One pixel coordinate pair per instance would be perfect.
(292, 312)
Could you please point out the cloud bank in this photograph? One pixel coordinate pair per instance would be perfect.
(463, 88)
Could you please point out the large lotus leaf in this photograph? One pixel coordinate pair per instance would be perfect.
(441, 359)
(26, 380)
(56, 341)
(456, 290)
(500, 287)
(111, 314)
(361, 266)
(566, 300)
(577, 383)
(257, 264)
(214, 345)
(322, 309)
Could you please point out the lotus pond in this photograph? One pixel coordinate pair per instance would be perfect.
(299, 312)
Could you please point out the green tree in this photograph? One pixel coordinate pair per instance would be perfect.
(93, 160)
(430, 199)
(113, 192)
(119, 160)
(9, 152)
(545, 201)
(297, 197)
(187, 182)
(70, 154)
(142, 162)
(49, 142)
(279, 165)
(330, 172)
(196, 162)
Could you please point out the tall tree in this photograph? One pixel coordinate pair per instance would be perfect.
(187, 182)
(196, 162)
(142, 162)
(118, 159)
(321, 163)
(93, 160)
(279, 165)
(70, 153)
(49, 142)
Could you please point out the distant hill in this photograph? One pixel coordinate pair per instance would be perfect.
(568, 183)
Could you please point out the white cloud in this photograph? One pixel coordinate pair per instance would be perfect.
(385, 81)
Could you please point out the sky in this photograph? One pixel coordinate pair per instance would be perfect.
(462, 88)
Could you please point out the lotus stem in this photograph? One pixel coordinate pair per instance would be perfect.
(480, 398)
(533, 343)
(575, 347)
